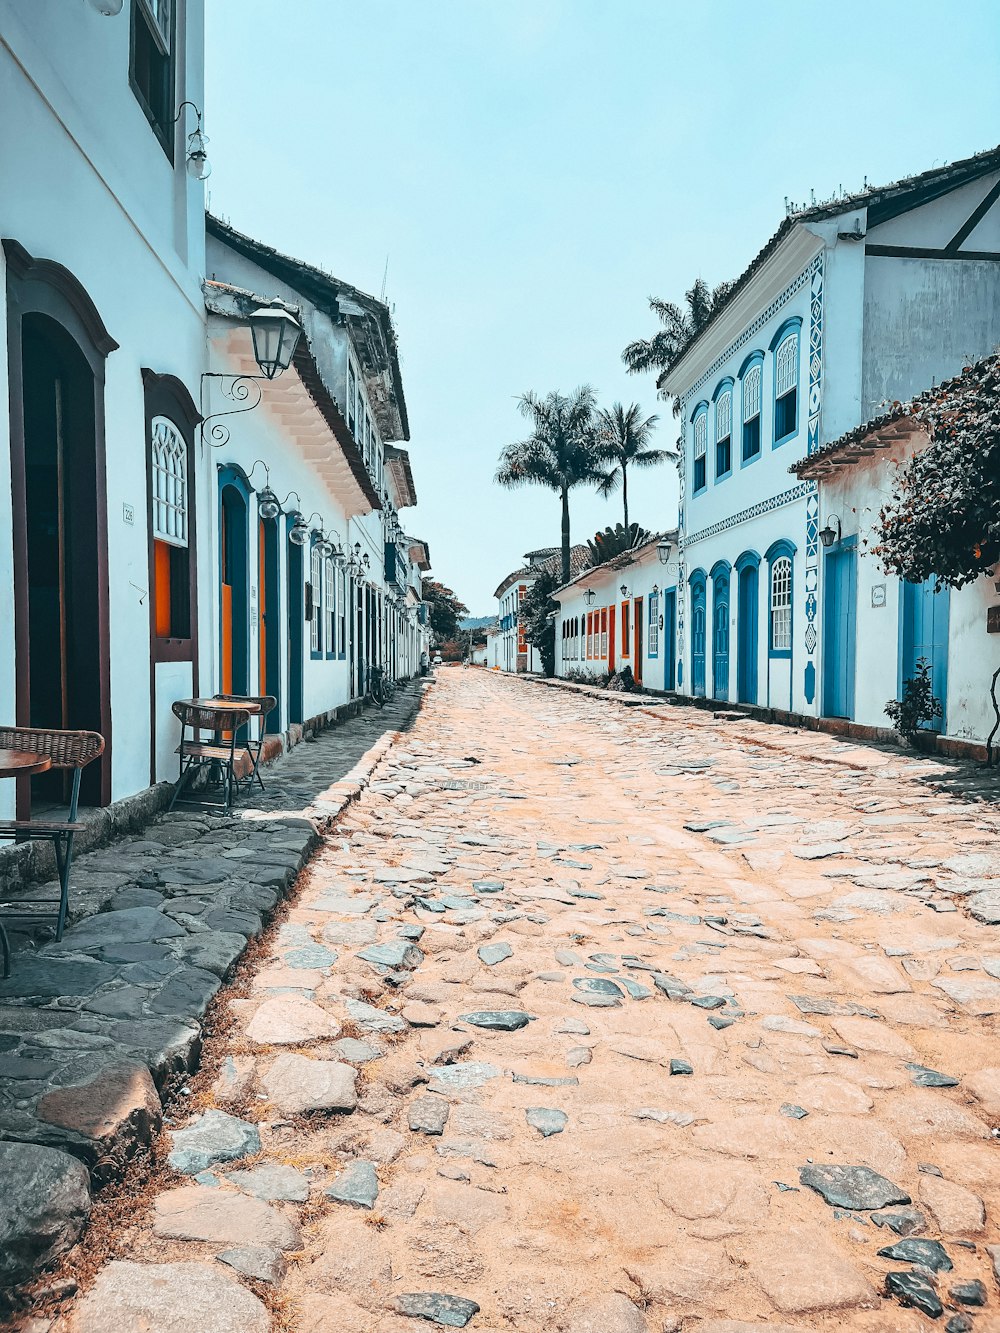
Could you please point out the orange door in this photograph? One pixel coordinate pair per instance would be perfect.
(637, 640)
(611, 638)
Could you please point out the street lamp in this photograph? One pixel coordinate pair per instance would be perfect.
(624, 590)
(298, 534)
(590, 596)
(663, 550)
(276, 335)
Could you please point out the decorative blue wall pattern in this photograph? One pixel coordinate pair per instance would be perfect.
(812, 503)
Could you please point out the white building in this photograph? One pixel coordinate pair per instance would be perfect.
(622, 614)
(875, 627)
(513, 652)
(98, 207)
(306, 623)
(851, 305)
(136, 567)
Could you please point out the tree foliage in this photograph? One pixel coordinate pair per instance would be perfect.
(615, 541)
(623, 441)
(445, 609)
(680, 324)
(944, 517)
(560, 453)
(537, 620)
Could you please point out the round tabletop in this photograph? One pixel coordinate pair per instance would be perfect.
(232, 705)
(22, 763)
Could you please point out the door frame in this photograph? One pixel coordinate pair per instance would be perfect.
(747, 628)
(720, 577)
(296, 626)
(234, 478)
(638, 626)
(940, 688)
(44, 287)
(847, 548)
(698, 592)
(668, 637)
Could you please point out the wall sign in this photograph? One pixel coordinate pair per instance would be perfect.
(128, 514)
(993, 619)
(878, 594)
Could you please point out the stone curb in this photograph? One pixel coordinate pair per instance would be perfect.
(97, 1030)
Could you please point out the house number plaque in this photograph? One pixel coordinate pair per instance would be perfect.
(993, 619)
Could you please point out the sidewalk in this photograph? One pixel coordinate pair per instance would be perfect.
(96, 1029)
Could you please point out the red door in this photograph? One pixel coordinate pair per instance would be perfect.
(611, 638)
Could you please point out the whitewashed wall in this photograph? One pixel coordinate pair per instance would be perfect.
(84, 182)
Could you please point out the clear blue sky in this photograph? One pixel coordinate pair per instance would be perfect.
(535, 169)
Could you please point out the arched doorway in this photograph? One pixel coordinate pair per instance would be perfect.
(234, 600)
(296, 624)
(269, 665)
(698, 634)
(748, 569)
(720, 631)
(57, 344)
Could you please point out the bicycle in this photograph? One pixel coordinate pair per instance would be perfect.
(382, 687)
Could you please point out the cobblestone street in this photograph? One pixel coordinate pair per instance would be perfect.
(584, 1019)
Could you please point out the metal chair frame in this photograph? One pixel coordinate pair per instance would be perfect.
(266, 703)
(196, 754)
(64, 749)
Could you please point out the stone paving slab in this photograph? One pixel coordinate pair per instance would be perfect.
(95, 1028)
(756, 1026)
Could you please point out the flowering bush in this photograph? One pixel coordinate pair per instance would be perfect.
(944, 518)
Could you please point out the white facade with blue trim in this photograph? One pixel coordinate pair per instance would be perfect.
(851, 305)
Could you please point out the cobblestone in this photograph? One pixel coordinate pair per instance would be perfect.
(781, 980)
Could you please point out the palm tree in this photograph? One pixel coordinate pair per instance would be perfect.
(623, 441)
(560, 452)
(679, 327)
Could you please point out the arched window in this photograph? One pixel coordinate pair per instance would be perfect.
(724, 434)
(781, 605)
(751, 411)
(316, 601)
(700, 475)
(170, 488)
(786, 387)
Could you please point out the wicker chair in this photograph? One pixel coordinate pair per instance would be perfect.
(265, 703)
(65, 749)
(215, 753)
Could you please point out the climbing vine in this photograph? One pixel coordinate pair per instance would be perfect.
(944, 518)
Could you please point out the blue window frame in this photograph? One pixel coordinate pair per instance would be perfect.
(751, 400)
(780, 585)
(723, 430)
(653, 632)
(696, 582)
(314, 599)
(699, 472)
(785, 346)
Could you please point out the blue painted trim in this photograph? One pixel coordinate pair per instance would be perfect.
(790, 326)
(316, 654)
(650, 599)
(748, 560)
(727, 383)
(296, 624)
(794, 323)
(720, 567)
(782, 547)
(701, 408)
(232, 477)
(747, 363)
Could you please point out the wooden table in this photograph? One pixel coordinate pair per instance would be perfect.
(22, 763)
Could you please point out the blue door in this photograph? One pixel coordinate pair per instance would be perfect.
(925, 634)
(698, 639)
(669, 638)
(720, 636)
(746, 634)
(840, 618)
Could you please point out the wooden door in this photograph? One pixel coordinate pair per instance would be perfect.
(611, 639)
(839, 630)
(925, 616)
(746, 635)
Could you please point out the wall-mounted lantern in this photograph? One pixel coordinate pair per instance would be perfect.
(663, 550)
(830, 534)
(276, 333)
(590, 597)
